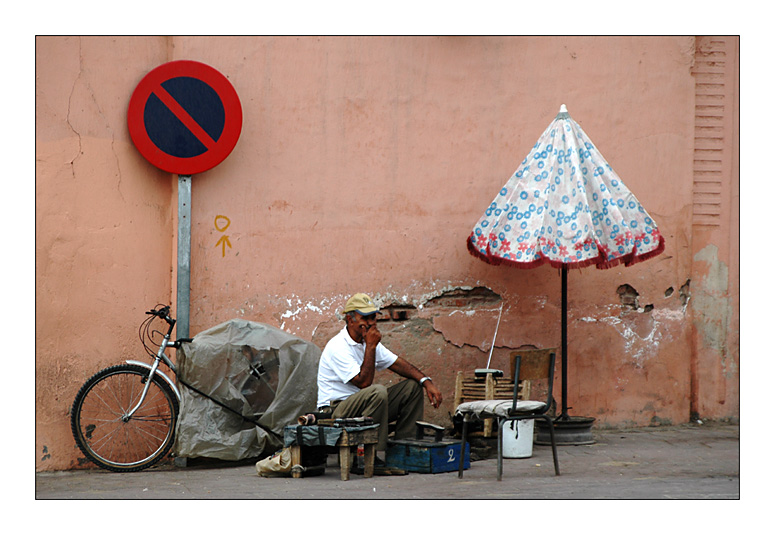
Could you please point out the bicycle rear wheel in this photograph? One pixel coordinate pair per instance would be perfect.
(102, 434)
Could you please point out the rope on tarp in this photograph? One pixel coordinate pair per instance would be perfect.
(254, 421)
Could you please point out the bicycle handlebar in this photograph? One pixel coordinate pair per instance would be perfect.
(163, 313)
(176, 344)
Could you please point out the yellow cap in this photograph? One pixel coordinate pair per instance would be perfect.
(362, 304)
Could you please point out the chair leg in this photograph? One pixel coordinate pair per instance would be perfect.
(463, 448)
(501, 421)
(554, 444)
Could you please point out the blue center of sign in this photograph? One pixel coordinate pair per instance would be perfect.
(168, 131)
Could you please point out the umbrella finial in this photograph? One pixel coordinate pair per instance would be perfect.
(563, 113)
(563, 109)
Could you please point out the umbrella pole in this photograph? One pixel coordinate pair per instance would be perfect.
(564, 341)
(567, 430)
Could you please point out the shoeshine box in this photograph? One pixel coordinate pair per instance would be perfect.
(426, 455)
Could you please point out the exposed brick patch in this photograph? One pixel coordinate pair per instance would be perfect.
(465, 298)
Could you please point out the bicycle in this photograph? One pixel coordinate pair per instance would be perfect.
(123, 417)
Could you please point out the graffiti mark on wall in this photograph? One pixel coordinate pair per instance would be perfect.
(221, 224)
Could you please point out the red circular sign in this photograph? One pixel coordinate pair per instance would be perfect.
(184, 117)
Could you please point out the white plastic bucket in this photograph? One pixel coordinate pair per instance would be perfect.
(518, 447)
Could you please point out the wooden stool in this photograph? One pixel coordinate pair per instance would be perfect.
(350, 437)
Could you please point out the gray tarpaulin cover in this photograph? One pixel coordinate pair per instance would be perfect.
(254, 369)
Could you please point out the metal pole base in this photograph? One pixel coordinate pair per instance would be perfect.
(568, 431)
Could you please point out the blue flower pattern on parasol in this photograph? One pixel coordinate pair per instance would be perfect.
(565, 206)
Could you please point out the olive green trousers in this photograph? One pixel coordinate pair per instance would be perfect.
(401, 403)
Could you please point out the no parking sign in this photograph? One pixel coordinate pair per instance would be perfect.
(184, 117)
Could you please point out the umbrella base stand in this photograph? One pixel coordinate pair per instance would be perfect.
(573, 431)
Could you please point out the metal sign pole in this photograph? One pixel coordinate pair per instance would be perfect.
(184, 254)
(201, 108)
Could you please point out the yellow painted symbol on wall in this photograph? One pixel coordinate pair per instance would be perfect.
(224, 240)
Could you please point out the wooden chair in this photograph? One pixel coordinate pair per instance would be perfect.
(472, 388)
(533, 365)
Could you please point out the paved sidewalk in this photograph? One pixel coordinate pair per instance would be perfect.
(680, 462)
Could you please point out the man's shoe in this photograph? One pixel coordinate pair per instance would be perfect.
(380, 469)
(389, 471)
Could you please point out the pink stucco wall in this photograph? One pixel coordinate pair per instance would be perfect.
(362, 166)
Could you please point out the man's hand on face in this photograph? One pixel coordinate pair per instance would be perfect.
(371, 335)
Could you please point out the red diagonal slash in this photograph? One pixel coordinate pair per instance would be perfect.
(184, 117)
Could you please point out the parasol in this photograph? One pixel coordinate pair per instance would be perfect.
(566, 207)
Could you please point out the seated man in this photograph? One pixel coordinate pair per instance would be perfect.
(346, 376)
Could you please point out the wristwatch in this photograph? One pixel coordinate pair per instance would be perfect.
(425, 379)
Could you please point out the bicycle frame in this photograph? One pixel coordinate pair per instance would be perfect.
(156, 372)
(161, 355)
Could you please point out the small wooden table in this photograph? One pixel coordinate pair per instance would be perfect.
(348, 438)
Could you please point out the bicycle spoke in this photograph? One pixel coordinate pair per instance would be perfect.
(151, 440)
(136, 429)
(105, 438)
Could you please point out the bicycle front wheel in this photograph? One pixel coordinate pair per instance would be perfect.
(99, 424)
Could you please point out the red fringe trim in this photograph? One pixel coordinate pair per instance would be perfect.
(600, 262)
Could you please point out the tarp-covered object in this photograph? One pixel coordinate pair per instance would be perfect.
(254, 369)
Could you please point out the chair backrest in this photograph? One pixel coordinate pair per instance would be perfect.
(533, 365)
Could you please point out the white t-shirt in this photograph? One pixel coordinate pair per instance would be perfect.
(341, 361)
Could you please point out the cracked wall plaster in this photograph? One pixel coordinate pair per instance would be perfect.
(463, 315)
(642, 328)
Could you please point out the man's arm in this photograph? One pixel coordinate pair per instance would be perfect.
(405, 369)
(366, 376)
